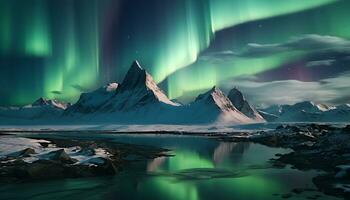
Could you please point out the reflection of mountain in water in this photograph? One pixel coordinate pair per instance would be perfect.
(229, 150)
(155, 164)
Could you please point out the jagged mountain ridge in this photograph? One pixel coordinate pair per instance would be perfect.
(39, 109)
(139, 100)
(239, 101)
(215, 101)
(92, 101)
(307, 111)
(137, 89)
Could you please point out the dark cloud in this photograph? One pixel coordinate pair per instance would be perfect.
(331, 90)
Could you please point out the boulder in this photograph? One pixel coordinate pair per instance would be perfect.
(23, 153)
(46, 169)
(62, 156)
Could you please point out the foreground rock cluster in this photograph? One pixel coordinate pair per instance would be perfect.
(71, 159)
(320, 147)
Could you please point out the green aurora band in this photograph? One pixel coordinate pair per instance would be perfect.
(58, 49)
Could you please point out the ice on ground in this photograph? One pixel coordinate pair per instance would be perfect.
(11, 145)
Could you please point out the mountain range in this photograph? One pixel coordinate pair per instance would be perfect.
(139, 100)
(306, 111)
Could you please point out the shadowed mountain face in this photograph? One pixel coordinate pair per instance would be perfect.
(239, 101)
(215, 101)
(138, 89)
(92, 101)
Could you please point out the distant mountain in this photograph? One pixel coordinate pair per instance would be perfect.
(92, 101)
(214, 105)
(308, 111)
(137, 100)
(268, 116)
(238, 100)
(40, 109)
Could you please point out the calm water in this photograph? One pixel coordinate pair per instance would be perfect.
(202, 168)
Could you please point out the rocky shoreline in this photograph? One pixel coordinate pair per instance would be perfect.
(319, 147)
(71, 158)
(315, 147)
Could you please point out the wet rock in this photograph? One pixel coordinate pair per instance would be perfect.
(316, 146)
(105, 167)
(44, 144)
(62, 156)
(23, 153)
(58, 164)
(45, 169)
(26, 152)
(347, 128)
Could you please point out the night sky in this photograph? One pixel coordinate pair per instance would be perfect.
(274, 51)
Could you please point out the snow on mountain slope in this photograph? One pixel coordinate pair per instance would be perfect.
(309, 112)
(137, 90)
(41, 108)
(268, 116)
(92, 101)
(214, 106)
(239, 101)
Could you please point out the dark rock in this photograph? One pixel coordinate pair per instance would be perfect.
(326, 184)
(46, 169)
(26, 152)
(87, 151)
(23, 153)
(347, 129)
(280, 127)
(107, 168)
(62, 156)
(44, 144)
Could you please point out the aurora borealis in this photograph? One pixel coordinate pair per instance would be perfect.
(60, 48)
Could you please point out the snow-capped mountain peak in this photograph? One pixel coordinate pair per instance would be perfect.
(309, 106)
(134, 78)
(308, 111)
(216, 96)
(137, 78)
(137, 90)
(214, 102)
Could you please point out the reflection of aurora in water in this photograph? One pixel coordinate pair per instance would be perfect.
(191, 174)
(170, 188)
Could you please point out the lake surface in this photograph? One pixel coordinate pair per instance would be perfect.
(202, 168)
